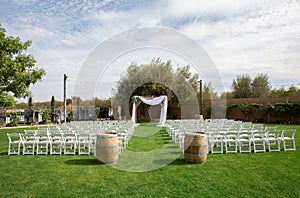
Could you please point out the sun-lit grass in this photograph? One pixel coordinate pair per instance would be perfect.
(148, 137)
(275, 174)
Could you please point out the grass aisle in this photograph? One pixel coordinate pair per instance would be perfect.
(150, 148)
(274, 174)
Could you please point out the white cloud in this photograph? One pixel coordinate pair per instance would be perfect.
(263, 40)
(214, 9)
(248, 36)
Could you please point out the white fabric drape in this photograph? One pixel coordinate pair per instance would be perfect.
(154, 101)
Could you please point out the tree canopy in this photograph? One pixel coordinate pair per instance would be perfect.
(261, 86)
(17, 69)
(244, 87)
(157, 78)
(282, 92)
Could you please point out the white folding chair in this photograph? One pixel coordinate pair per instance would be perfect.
(70, 143)
(84, 144)
(42, 143)
(181, 141)
(121, 148)
(28, 143)
(122, 141)
(288, 139)
(216, 142)
(56, 143)
(273, 139)
(175, 136)
(231, 141)
(258, 140)
(14, 143)
(93, 139)
(244, 141)
(30, 134)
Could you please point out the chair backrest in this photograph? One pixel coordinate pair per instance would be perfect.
(272, 132)
(43, 129)
(247, 125)
(55, 136)
(231, 134)
(83, 137)
(270, 129)
(32, 132)
(258, 134)
(27, 137)
(42, 136)
(70, 137)
(13, 137)
(257, 126)
(288, 133)
(215, 136)
(244, 134)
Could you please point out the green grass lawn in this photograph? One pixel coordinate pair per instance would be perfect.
(275, 174)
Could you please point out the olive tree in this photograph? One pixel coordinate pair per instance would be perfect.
(157, 78)
(242, 86)
(261, 86)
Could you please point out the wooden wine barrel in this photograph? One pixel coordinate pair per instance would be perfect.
(107, 148)
(195, 147)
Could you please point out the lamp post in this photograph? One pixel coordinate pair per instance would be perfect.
(201, 98)
(65, 102)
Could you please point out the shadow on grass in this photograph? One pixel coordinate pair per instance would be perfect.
(176, 162)
(82, 162)
(166, 139)
(3, 153)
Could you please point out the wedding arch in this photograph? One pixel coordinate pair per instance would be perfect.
(155, 101)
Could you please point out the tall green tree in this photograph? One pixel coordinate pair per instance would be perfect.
(52, 104)
(17, 69)
(242, 86)
(157, 78)
(293, 91)
(261, 86)
(282, 92)
(30, 102)
(208, 91)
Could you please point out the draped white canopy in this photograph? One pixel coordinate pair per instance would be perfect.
(154, 101)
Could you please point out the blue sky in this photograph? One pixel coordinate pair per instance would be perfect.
(247, 36)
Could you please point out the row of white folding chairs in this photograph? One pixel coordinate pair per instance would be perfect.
(124, 132)
(124, 136)
(175, 129)
(229, 124)
(93, 124)
(123, 128)
(101, 124)
(44, 143)
(244, 141)
(34, 142)
(175, 126)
